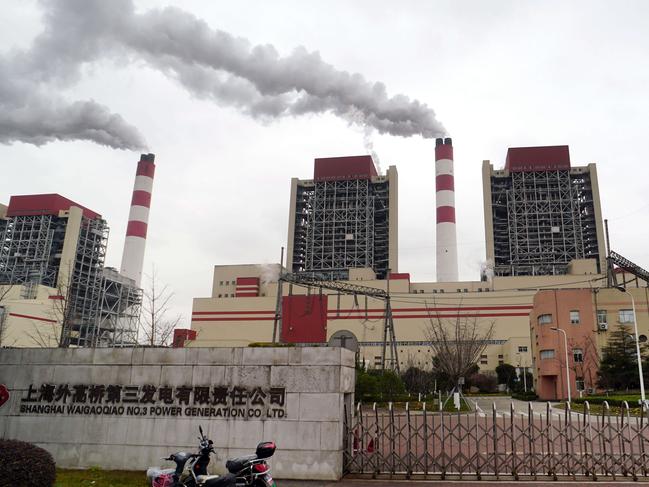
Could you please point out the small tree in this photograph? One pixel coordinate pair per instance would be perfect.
(4, 292)
(457, 345)
(507, 375)
(417, 380)
(156, 326)
(618, 368)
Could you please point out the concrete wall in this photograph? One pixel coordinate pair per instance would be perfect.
(317, 383)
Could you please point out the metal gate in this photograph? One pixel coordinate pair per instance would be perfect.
(540, 445)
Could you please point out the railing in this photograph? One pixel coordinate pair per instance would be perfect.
(550, 444)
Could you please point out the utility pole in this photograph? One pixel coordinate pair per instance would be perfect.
(277, 322)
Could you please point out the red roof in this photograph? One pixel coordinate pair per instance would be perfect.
(342, 168)
(44, 204)
(528, 159)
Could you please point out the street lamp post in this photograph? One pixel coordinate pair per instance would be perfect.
(565, 346)
(643, 400)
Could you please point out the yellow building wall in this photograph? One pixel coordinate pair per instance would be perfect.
(29, 322)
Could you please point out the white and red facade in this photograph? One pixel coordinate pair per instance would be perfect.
(138, 220)
(446, 244)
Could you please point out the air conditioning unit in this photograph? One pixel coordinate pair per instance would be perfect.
(603, 326)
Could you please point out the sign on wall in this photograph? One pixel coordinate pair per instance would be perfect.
(155, 401)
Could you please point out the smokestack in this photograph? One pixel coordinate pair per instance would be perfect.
(138, 219)
(445, 198)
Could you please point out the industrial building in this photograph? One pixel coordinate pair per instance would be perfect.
(54, 287)
(540, 213)
(344, 218)
(244, 305)
(586, 316)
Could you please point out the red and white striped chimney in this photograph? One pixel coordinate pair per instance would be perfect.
(138, 219)
(445, 198)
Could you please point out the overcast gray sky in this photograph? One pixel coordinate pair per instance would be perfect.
(498, 74)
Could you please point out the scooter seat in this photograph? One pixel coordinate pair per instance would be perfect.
(237, 464)
(227, 480)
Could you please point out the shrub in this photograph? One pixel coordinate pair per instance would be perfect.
(26, 465)
(270, 344)
(366, 385)
(485, 383)
(632, 400)
(525, 396)
(377, 385)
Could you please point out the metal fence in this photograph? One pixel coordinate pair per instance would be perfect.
(547, 444)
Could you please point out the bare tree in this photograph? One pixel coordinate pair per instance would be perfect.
(4, 292)
(456, 345)
(156, 326)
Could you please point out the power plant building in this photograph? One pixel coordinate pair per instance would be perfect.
(244, 306)
(344, 218)
(54, 287)
(540, 213)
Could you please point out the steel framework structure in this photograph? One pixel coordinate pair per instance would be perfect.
(341, 225)
(120, 306)
(85, 289)
(30, 248)
(541, 221)
(96, 309)
(389, 353)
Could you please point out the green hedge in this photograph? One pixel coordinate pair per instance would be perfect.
(631, 399)
(525, 396)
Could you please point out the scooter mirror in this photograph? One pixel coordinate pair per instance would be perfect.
(200, 429)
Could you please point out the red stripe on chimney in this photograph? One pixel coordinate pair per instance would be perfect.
(445, 214)
(445, 182)
(443, 151)
(141, 198)
(136, 229)
(145, 168)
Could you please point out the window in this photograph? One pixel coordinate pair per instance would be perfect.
(580, 384)
(578, 355)
(574, 317)
(221, 283)
(522, 349)
(501, 356)
(545, 354)
(602, 318)
(220, 295)
(483, 360)
(544, 319)
(625, 316)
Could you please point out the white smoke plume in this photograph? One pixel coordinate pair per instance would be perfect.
(269, 272)
(487, 269)
(208, 63)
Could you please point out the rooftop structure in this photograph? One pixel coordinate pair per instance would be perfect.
(541, 213)
(343, 218)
